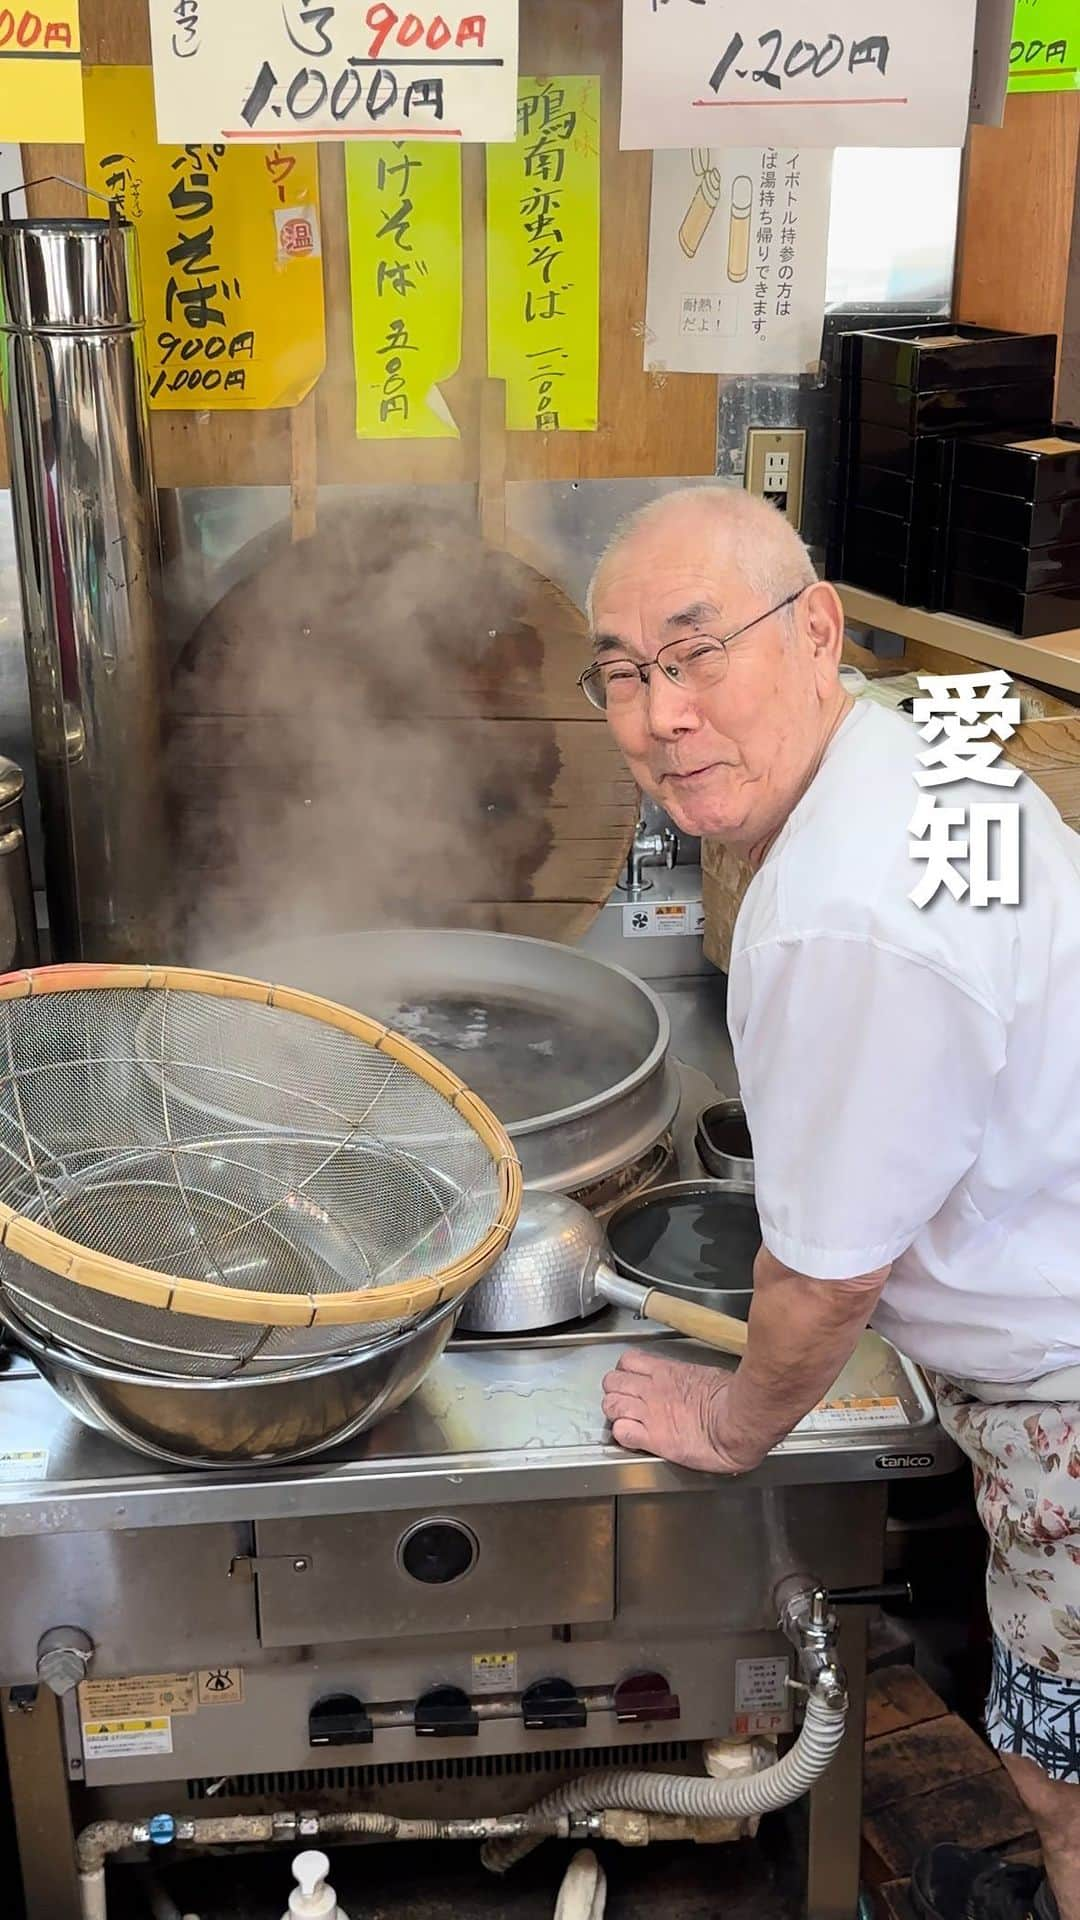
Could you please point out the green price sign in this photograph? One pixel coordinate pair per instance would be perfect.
(1044, 56)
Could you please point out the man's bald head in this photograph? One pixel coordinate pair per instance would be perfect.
(713, 575)
(739, 534)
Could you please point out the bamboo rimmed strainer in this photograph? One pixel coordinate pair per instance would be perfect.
(203, 1176)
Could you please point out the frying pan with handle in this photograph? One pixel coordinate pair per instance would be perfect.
(554, 1269)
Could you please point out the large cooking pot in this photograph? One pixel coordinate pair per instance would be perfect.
(570, 1052)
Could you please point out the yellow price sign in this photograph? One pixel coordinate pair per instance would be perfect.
(229, 248)
(41, 95)
(543, 257)
(404, 215)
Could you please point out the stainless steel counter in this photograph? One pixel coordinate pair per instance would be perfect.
(508, 1422)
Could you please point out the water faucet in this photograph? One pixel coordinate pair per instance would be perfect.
(657, 849)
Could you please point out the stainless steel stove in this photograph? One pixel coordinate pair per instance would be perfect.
(378, 1625)
(380, 1628)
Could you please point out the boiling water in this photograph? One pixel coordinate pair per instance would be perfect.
(691, 1240)
(517, 1057)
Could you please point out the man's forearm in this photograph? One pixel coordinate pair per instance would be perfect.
(802, 1333)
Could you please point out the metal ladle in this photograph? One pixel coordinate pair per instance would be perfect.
(555, 1268)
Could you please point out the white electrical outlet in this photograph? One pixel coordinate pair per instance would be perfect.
(774, 468)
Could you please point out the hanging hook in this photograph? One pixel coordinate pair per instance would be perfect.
(60, 180)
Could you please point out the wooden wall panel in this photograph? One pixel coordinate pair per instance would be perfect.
(646, 425)
(1017, 215)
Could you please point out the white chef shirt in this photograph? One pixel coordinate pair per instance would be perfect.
(911, 1077)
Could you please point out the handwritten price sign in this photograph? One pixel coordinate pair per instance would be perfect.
(1044, 53)
(813, 73)
(230, 252)
(245, 70)
(40, 75)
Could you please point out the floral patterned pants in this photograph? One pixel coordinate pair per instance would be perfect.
(1026, 1460)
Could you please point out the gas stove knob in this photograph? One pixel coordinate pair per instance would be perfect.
(645, 1696)
(444, 1713)
(63, 1657)
(552, 1705)
(339, 1720)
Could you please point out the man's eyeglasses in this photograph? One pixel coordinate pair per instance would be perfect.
(697, 664)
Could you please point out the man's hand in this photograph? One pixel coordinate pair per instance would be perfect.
(675, 1410)
(802, 1333)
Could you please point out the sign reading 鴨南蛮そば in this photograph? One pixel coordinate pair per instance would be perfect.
(288, 69)
(229, 248)
(543, 257)
(812, 73)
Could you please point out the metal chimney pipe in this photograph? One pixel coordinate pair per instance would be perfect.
(86, 533)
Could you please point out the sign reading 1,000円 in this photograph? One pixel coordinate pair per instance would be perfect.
(248, 70)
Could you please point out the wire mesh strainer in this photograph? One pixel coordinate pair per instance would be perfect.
(204, 1176)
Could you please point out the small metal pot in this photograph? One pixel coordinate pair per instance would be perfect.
(723, 1142)
(257, 1418)
(727, 1203)
(560, 1267)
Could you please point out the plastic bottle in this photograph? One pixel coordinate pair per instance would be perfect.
(312, 1898)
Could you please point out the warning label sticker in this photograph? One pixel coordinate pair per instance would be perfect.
(646, 922)
(23, 1463)
(762, 1697)
(494, 1672)
(855, 1413)
(145, 1695)
(123, 1739)
(221, 1686)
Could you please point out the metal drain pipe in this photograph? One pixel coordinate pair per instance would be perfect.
(97, 1843)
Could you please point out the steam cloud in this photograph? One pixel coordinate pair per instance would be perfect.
(329, 763)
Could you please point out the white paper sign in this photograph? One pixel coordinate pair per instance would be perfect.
(252, 70)
(817, 73)
(738, 239)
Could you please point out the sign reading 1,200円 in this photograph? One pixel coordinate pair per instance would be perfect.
(243, 70)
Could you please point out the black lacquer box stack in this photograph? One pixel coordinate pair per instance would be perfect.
(951, 487)
(1013, 543)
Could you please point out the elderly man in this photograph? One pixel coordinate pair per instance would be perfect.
(910, 1081)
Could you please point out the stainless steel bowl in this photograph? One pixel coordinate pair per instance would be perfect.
(722, 1139)
(261, 1419)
